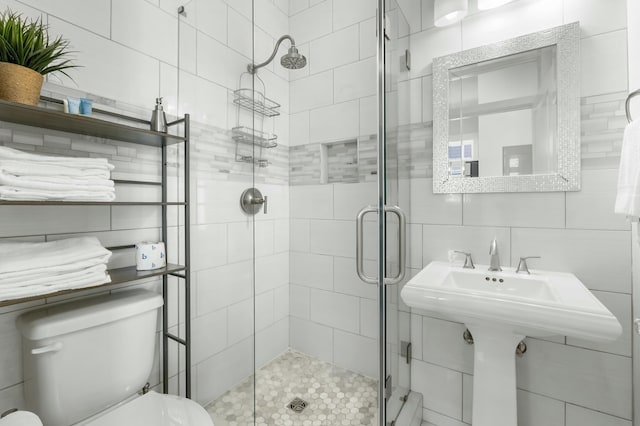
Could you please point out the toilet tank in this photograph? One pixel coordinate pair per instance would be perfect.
(84, 356)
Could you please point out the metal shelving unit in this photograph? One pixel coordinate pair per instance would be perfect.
(51, 119)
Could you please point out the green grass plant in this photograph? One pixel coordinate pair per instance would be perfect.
(27, 43)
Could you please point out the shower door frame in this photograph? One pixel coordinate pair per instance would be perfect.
(381, 203)
(385, 389)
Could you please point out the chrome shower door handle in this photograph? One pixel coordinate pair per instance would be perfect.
(402, 252)
(360, 245)
(402, 249)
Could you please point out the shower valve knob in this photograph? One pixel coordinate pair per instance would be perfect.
(262, 201)
(251, 201)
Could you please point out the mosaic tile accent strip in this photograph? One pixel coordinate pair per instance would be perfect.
(304, 162)
(603, 121)
(334, 396)
(342, 158)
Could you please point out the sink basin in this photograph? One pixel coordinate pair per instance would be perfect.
(500, 309)
(544, 303)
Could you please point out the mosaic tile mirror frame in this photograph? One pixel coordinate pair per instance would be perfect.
(456, 168)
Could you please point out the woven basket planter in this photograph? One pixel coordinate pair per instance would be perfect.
(20, 84)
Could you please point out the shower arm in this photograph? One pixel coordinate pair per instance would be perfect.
(254, 68)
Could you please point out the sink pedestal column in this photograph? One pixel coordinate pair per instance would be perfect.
(494, 376)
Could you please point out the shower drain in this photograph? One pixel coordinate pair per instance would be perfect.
(297, 405)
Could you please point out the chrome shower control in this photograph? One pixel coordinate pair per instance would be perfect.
(251, 201)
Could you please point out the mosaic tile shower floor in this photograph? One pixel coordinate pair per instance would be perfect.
(334, 396)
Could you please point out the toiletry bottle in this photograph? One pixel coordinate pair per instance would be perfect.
(158, 118)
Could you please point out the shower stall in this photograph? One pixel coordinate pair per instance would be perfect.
(297, 316)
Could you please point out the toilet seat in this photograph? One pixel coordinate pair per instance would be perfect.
(153, 409)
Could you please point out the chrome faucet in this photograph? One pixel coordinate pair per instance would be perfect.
(494, 265)
(522, 265)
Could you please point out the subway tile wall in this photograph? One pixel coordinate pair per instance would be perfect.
(132, 52)
(561, 381)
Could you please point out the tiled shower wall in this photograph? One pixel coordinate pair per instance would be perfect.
(130, 52)
(333, 313)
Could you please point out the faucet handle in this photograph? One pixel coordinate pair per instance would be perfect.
(522, 265)
(468, 261)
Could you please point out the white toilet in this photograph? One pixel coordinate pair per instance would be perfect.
(86, 360)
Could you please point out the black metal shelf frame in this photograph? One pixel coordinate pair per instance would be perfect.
(52, 119)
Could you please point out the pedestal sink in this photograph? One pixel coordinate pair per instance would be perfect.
(500, 309)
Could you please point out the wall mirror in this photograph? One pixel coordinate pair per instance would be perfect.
(506, 116)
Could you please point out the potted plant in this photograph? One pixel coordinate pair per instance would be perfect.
(26, 55)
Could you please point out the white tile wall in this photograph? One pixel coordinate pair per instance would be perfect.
(336, 49)
(577, 376)
(326, 311)
(537, 210)
(129, 54)
(354, 81)
(575, 232)
(604, 63)
(141, 34)
(335, 122)
(352, 12)
(333, 311)
(539, 410)
(584, 417)
(94, 17)
(312, 23)
(443, 392)
(431, 44)
(590, 208)
(600, 259)
(506, 22)
(594, 18)
(335, 238)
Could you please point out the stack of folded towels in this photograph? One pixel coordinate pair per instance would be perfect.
(31, 269)
(33, 177)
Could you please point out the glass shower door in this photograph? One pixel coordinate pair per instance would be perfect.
(393, 324)
(398, 347)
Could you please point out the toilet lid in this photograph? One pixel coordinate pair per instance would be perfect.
(20, 418)
(154, 409)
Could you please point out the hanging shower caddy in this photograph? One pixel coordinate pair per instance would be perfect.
(249, 134)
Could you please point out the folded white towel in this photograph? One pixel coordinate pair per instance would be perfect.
(12, 193)
(22, 256)
(51, 279)
(38, 182)
(26, 168)
(35, 290)
(52, 271)
(14, 154)
(628, 198)
(59, 179)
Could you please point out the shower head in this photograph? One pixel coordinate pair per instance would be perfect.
(291, 60)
